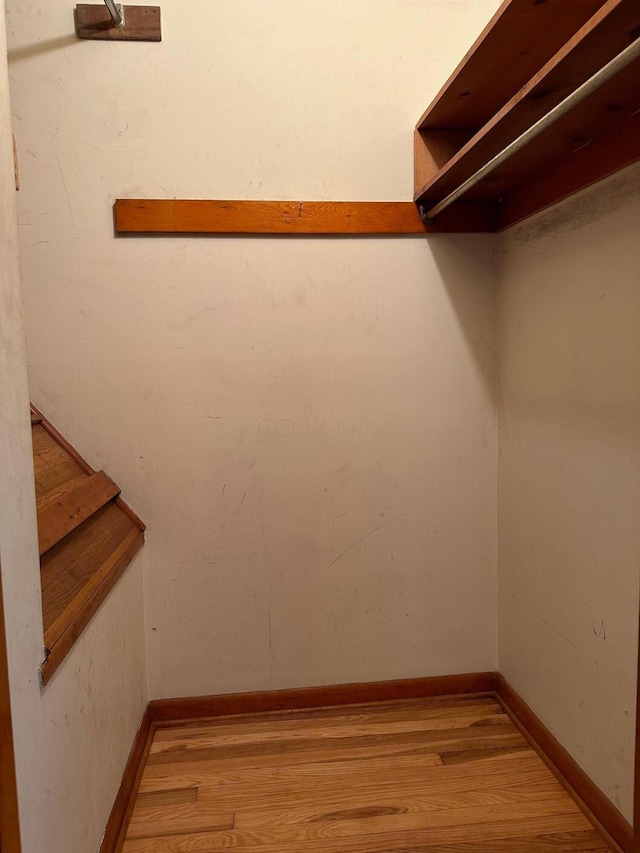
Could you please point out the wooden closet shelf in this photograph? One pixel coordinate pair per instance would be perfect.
(467, 125)
(520, 38)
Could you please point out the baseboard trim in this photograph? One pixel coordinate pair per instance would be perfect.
(587, 795)
(167, 711)
(118, 822)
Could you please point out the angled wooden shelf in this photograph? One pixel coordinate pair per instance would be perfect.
(87, 537)
(533, 54)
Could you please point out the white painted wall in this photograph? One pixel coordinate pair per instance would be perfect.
(72, 738)
(570, 474)
(307, 426)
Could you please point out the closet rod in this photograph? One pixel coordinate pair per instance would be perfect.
(626, 57)
(116, 10)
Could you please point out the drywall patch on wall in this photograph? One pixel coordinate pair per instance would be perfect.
(569, 475)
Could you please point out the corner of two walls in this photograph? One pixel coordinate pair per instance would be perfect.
(569, 474)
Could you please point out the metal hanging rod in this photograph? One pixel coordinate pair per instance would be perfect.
(626, 57)
(116, 10)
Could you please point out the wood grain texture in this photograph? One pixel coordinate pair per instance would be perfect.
(167, 820)
(142, 23)
(568, 771)
(80, 462)
(605, 155)
(350, 780)
(201, 707)
(66, 568)
(113, 838)
(59, 439)
(183, 216)
(67, 509)
(82, 610)
(432, 150)
(168, 797)
(53, 467)
(9, 816)
(598, 41)
(520, 38)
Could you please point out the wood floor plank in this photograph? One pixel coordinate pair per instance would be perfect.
(411, 777)
(413, 841)
(287, 826)
(415, 793)
(189, 769)
(424, 767)
(177, 819)
(284, 721)
(502, 735)
(397, 804)
(168, 797)
(205, 739)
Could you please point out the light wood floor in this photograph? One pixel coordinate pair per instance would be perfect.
(430, 776)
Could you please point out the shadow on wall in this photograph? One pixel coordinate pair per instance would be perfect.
(471, 291)
(40, 47)
(587, 207)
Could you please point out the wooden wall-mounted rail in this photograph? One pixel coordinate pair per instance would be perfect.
(179, 216)
(468, 125)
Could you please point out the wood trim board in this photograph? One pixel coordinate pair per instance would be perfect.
(113, 838)
(202, 707)
(200, 216)
(583, 790)
(9, 814)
